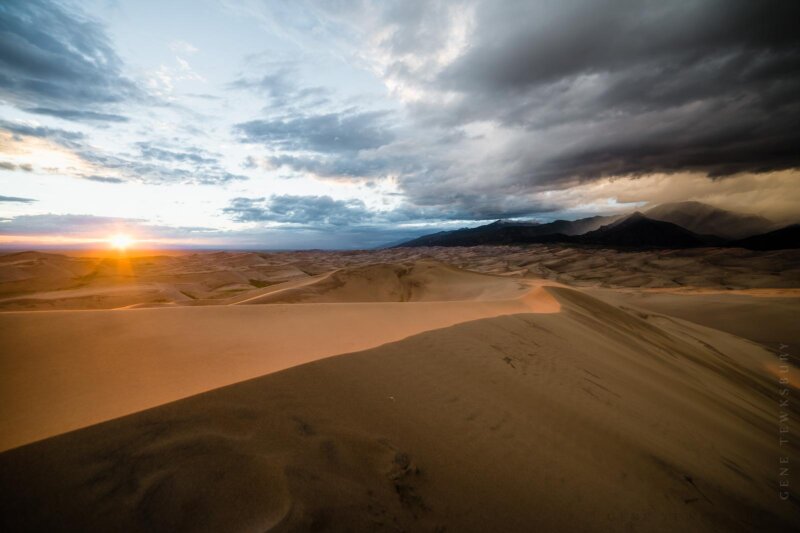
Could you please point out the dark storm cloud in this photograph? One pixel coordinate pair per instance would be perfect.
(77, 115)
(330, 133)
(56, 60)
(633, 87)
(548, 95)
(304, 210)
(16, 199)
(449, 204)
(544, 42)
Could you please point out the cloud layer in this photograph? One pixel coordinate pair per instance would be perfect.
(365, 118)
(58, 63)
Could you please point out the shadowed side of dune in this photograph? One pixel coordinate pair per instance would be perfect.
(592, 419)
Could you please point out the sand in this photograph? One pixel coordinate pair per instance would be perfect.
(490, 401)
(62, 370)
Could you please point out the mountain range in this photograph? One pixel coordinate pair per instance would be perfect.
(673, 225)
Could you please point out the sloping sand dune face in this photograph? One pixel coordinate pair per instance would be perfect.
(590, 419)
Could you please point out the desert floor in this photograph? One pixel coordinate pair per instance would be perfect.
(539, 388)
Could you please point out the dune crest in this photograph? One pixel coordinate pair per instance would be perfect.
(420, 281)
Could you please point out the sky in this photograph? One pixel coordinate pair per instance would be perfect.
(261, 124)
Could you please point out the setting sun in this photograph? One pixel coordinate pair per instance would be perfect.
(121, 241)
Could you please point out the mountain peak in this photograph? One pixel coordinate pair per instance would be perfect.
(709, 220)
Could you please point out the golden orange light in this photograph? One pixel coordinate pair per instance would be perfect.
(121, 242)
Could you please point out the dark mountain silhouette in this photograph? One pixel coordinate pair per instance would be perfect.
(788, 237)
(704, 219)
(636, 230)
(640, 231)
(510, 232)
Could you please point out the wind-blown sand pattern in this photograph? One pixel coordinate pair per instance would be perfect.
(484, 389)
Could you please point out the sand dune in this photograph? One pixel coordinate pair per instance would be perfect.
(479, 392)
(588, 419)
(422, 281)
(61, 370)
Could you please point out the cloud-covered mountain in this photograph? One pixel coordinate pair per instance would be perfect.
(708, 220)
(639, 231)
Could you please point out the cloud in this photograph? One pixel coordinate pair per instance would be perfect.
(773, 195)
(337, 165)
(153, 164)
(141, 170)
(58, 60)
(7, 165)
(347, 143)
(304, 210)
(149, 151)
(623, 88)
(95, 227)
(77, 115)
(66, 138)
(565, 93)
(329, 133)
(104, 179)
(16, 199)
(324, 212)
(282, 88)
(182, 47)
(87, 230)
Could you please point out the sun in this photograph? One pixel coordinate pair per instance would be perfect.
(120, 241)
